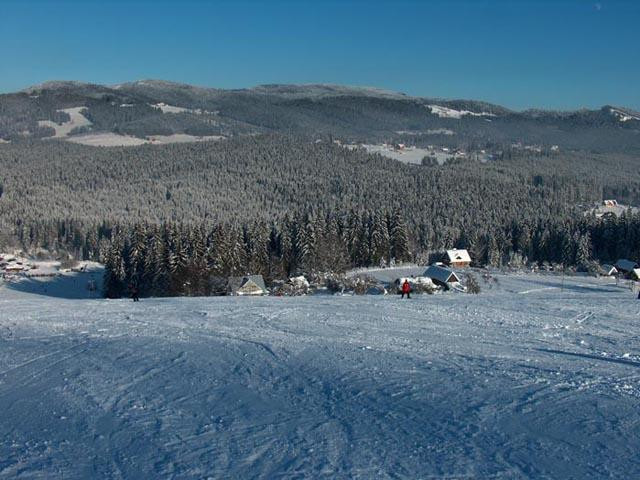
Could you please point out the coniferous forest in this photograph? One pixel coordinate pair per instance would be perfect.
(173, 219)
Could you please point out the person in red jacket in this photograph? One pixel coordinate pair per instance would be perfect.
(406, 289)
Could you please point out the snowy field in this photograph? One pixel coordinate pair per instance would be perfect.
(411, 155)
(109, 139)
(530, 379)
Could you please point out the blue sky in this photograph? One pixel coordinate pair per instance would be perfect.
(548, 54)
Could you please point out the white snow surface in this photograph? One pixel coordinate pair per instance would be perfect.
(533, 378)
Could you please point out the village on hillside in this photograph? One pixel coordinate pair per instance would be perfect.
(610, 207)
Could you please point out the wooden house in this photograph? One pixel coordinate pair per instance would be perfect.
(458, 258)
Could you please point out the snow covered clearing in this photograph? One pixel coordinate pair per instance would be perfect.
(496, 385)
(183, 138)
(445, 112)
(624, 116)
(64, 129)
(173, 109)
(107, 139)
(170, 108)
(434, 131)
(412, 155)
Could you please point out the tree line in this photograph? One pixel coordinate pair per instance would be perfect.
(170, 258)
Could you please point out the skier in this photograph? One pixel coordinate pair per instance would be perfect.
(638, 294)
(133, 290)
(406, 289)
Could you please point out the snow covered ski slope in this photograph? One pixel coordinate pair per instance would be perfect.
(526, 380)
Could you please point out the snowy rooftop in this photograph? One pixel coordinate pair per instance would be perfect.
(441, 274)
(458, 255)
(625, 265)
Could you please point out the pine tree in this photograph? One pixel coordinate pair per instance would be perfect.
(399, 238)
(379, 240)
(583, 254)
(567, 249)
(114, 273)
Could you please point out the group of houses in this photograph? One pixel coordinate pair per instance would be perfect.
(623, 268)
(441, 274)
(438, 275)
(15, 266)
(11, 265)
(609, 206)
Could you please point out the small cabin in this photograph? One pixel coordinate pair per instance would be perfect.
(247, 285)
(625, 266)
(634, 274)
(608, 270)
(441, 276)
(609, 203)
(458, 258)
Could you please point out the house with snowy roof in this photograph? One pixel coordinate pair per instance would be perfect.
(625, 266)
(608, 270)
(441, 276)
(458, 258)
(247, 285)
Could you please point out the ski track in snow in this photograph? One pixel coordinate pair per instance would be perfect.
(498, 385)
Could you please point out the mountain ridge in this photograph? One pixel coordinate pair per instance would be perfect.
(149, 108)
(332, 88)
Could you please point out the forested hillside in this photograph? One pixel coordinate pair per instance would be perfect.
(281, 205)
(285, 188)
